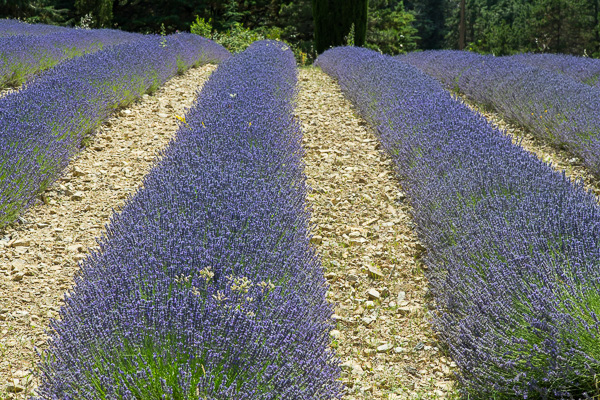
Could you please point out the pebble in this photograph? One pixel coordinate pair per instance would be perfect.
(375, 272)
(406, 310)
(77, 171)
(21, 243)
(77, 196)
(14, 388)
(357, 241)
(373, 293)
(354, 367)
(75, 248)
(401, 296)
(367, 320)
(385, 347)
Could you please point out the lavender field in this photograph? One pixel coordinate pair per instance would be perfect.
(209, 281)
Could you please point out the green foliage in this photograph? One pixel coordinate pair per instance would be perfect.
(350, 37)
(237, 38)
(390, 28)
(34, 11)
(101, 11)
(430, 17)
(511, 26)
(296, 21)
(202, 27)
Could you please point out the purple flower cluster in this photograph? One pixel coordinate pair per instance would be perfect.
(513, 248)
(21, 57)
(13, 27)
(582, 69)
(206, 285)
(43, 125)
(553, 106)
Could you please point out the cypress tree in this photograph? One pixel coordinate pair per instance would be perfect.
(334, 20)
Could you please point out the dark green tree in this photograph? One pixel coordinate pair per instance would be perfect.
(566, 26)
(429, 21)
(510, 26)
(100, 11)
(390, 28)
(335, 19)
(42, 11)
(295, 18)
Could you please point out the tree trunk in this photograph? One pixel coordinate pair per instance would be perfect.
(462, 26)
(596, 26)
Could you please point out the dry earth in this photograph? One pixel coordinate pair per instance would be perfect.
(39, 256)
(560, 160)
(370, 253)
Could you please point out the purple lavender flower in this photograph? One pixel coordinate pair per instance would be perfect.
(13, 27)
(582, 69)
(21, 57)
(554, 107)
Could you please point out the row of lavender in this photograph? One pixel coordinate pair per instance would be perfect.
(513, 247)
(13, 27)
(21, 57)
(554, 107)
(582, 69)
(44, 124)
(206, 285)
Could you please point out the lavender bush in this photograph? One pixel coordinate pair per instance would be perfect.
(552, 106)
(13, 27)
(43, 125)
(513, 248)
(582, 69)
(205, 285)
(21, 57)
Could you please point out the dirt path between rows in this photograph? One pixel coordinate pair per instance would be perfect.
(369, 252)
(39, 257)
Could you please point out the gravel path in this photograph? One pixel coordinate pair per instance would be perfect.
(39, 257)
(370, 253)
(559, 159)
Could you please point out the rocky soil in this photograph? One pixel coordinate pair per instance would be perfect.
(40, 255)
(370, 253)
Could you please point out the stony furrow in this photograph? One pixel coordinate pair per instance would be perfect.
(370, 254)
(39, 256)
(559, 159)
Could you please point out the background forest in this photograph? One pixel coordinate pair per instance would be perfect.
(393, 26)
